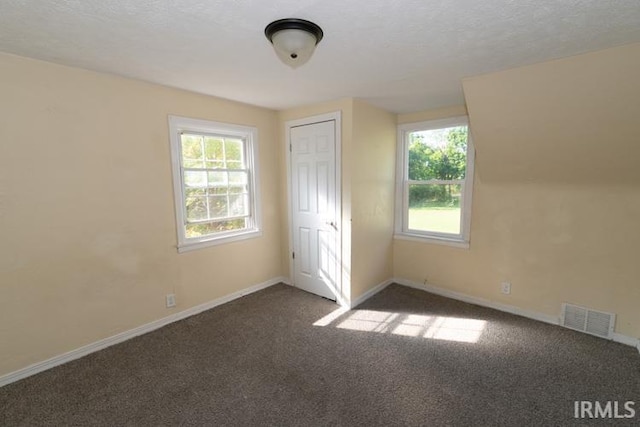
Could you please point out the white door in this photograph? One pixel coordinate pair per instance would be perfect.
(314, 210)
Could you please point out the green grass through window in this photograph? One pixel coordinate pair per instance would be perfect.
(436, 218)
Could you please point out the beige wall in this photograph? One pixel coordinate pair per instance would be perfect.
(88, 228)
(372, 197)
(556, 194)
(572, 120)
(87, 222)
(421, 116)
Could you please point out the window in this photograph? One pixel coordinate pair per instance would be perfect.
(434, 181)
(214, 172)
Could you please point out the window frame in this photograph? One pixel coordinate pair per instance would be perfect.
(249, 135)
(402, 231)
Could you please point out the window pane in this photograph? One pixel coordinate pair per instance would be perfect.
(195, 179)
(195, 230)
(196, 164)
(435, 207)
(217, 179)
(233, 150)
(238, 205)
(212, 181)
(213, 148)
(193, 192)
(196, 208)
(237, 189)
(215, 164)
(238, 178)
(438, 154)
(217, 191)
(191, 146)
(232, 164)
(218, 207)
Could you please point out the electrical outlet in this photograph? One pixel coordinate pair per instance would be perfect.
(171, 300)
(505, 288)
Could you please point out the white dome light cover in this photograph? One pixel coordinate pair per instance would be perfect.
(294, 40)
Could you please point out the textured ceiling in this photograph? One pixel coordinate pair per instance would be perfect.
(403, 56)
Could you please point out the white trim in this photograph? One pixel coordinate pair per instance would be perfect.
(126, 335)
(252, 234)
(149, 327)
(439, 241)
(541, 317)
(434, 124)
(286, 281)
(546, 318)
(371, 292)
(467, 197)
(287, 149)
(336, 116)
(341, 300)
(554, 320)
(179, 124)
(402, 197)
(622, 339)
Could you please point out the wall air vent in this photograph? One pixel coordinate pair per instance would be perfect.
(592, 322)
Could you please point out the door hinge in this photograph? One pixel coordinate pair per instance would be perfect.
(290, 149)
(293, 255)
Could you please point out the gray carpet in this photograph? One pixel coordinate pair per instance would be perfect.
(259, 360)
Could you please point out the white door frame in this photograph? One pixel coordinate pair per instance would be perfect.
(336, 116)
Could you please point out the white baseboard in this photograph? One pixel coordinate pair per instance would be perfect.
(126, 335)
(625, 339)
(371, 292)
(553, 320)
(286, 281)
(340, 299)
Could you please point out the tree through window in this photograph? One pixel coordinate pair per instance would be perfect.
(214, 181)
(435, 185)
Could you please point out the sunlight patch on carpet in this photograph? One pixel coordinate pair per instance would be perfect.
(409, 325)
(329, 318)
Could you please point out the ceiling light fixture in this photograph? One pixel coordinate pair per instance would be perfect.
(294, 40)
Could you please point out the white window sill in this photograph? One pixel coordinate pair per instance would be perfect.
(456, 243)
(219, 240)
